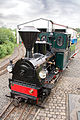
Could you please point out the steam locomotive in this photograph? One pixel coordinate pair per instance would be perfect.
(47, 54)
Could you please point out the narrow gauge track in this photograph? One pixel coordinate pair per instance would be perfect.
(16, 113)
(3, 69)
(4, 111)
(26, 113)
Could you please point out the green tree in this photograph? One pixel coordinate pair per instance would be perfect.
(7, 41)
(6, 35)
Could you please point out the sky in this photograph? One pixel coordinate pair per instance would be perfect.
(14, 12)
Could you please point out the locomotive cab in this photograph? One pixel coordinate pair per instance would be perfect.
(42, 47)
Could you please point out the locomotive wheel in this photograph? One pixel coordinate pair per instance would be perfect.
(49, 91)
(33, 102)
(46, 92)
(12, 95)
(16, 102)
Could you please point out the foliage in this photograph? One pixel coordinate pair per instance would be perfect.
(3, 51)
(7, 42)
(6, 35)
(9, 47)
(6, 49)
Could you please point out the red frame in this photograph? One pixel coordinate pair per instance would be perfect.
(24, 90)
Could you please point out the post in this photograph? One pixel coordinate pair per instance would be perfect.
(48, 27)
(17, 35)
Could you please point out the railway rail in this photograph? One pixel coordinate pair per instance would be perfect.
(16, 113)
(4, 111)
(3, 69)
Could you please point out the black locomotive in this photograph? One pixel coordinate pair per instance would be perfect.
(32, 75)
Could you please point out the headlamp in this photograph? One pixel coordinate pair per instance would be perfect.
(9, 68)
(42, 74)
